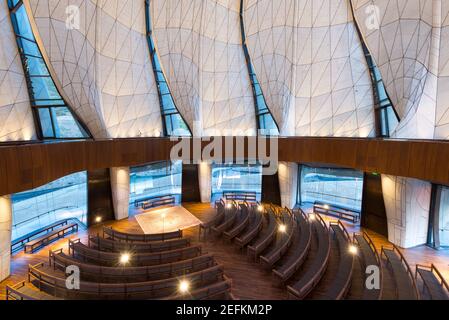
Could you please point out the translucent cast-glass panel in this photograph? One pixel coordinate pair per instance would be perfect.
(234, 177)
(158, 179)
(61, 199)
(55, 122)
(340, 187)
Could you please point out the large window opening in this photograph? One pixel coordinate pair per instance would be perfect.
(54, 119)
(386, 116)
(173, 122)
(62, 199)
(265, 121)
(330, 186)
(155, 180)
(235, 178)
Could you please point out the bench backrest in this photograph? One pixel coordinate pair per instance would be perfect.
(132, 237)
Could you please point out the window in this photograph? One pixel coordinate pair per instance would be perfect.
(174, 124)
(386, 117)
(339, 187)
(54, 118)
(265, 121)
(65, 198)
(155, 180)
(235, 177)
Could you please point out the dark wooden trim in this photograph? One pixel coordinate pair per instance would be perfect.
(27, 166)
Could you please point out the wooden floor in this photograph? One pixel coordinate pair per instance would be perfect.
(249, 280)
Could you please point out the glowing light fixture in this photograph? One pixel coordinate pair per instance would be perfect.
(260, 208)
(353, 249)
(124, 258)
(184, 286)
(326, 207)
(282, 228)
(98, 219)
(312, 217)
(229, 205)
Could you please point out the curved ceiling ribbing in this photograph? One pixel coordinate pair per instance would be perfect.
(311, 66)
(16, 118)
(200, 46)
(103, 65)
(410, 47)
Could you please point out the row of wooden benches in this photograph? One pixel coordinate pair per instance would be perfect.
(154, 270)
(288, 253)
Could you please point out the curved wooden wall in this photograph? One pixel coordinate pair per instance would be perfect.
(27, 166)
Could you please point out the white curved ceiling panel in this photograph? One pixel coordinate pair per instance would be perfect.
(408, 40)
(311, 66)
(16, 119)
(103, 64)
(200, 47)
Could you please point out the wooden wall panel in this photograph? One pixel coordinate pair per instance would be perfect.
(27, 166)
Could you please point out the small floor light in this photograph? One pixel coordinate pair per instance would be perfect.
(353, 249)
(282, 228)
(98, 219)
(184, 286)
(124, 258)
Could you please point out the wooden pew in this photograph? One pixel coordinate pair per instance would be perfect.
(103, 244)
(25, 291)
(240, 196)
(230, 218)
(254, 227)
(47, 238)
(152, 202)
(282, 243)
(205, 228)
(434, 286)
(370, 257)
(112, 234)
(125, 273)
(403, 276)
(342, 282)
(86, 254)
(54, 283)
(265, 238)
(19, 243)
(299, 249)
(312, 276)
(336, 211)
(241, 223)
